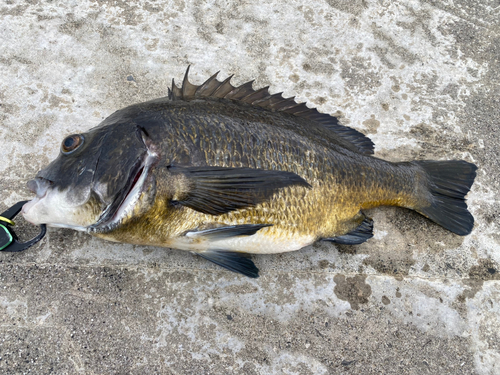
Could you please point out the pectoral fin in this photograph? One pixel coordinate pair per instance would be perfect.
(359, 235)
(233, 261)
(226, 232)
(217, 190)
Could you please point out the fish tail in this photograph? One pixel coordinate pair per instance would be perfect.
(441, 195)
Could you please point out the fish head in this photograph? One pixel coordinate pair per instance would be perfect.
(100, 179)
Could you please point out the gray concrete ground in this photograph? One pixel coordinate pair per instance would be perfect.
(421, 78)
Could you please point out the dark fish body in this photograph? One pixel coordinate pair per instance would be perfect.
(223, 171)
(226, 134)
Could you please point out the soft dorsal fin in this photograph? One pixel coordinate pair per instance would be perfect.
(213, 88)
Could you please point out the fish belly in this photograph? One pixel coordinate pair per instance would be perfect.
(265, 241)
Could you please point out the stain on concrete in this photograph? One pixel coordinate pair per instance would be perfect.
(452, 90)
(325, 264)
(352, 289)
(294, 77)
(386, 300)
(433, 141)
(319, 68)
(415, 229)
(472, 286)
(355, 7)
(11, 9)
(360, 75)
(391, 262)
(71, 26)
(382, 255)
(420, 21)
(389, 46)
(127, 12)
(347, 249)
(320, 100)
(371, 125)
(487, 269)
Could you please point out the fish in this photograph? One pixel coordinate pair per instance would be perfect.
(225, 172)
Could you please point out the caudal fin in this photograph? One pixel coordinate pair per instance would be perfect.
(448, 182)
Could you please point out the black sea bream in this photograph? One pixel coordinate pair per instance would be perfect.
(225, 171)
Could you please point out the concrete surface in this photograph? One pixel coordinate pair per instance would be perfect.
(421, 78)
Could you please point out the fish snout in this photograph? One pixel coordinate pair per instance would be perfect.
(39, 186)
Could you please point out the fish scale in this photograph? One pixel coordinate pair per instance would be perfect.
(333, 197)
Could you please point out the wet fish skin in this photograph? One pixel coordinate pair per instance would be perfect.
(310, 179)
(245, 141)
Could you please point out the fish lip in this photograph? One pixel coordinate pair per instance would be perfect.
(39, 186)
(114, 212)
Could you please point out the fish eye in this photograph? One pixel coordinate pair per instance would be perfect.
(71, 143)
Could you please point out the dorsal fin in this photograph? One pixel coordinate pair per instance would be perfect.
(213, 88)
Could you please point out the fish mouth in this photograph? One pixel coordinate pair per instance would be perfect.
(125, 202)
(39, 186)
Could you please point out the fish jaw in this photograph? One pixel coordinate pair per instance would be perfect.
(50, 207)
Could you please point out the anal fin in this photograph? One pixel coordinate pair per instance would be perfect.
(359, 235)
(233, 261)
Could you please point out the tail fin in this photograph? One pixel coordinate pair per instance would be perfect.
(448, 182)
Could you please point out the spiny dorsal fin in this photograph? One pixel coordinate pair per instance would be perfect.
(213, 88)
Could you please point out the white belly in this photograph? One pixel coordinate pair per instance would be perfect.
(258, 243)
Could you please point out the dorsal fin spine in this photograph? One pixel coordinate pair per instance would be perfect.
(253, 96)
(176, 92)
(224, 88)
(188, 89)
(241, 91)
(207, 88)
